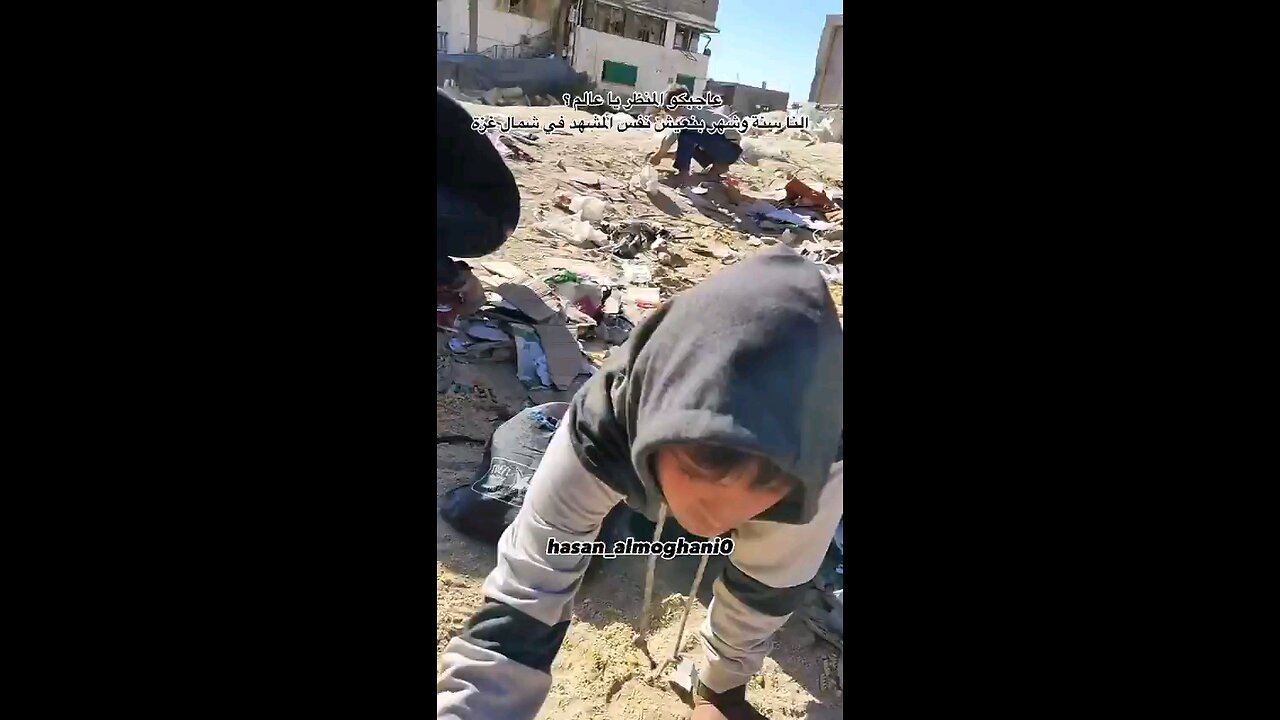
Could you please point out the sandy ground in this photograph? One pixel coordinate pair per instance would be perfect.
(598, 672)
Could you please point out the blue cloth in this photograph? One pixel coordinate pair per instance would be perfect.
(707, 148)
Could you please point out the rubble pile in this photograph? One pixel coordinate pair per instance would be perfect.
(825, 123)
(615, 240)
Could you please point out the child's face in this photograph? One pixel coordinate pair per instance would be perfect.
(707, 507)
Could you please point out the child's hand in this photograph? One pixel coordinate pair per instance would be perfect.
(471, 296)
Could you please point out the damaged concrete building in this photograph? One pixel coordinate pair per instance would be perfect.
(828, 75)
(621, 45)
(642, 45)
(502, 28)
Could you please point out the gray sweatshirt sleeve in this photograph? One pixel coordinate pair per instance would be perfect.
(762, 585)
(499, 667)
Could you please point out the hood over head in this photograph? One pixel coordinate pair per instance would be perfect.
(752, 358)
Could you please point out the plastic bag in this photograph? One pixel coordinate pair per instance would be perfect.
(589, 208)
(585, 236)
(647, 179)
(485, 506)
(576, 231)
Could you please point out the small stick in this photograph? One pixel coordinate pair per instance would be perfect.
(648, 576)
(688, 605)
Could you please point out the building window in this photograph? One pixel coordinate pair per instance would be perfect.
(517, 7)
(685, 80)
(687, 38)
(621, 73)
(603, 18)
(646, 28)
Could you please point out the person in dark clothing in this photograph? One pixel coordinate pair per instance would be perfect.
(714, 151)
(478, 205)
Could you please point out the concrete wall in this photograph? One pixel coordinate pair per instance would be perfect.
(496, 27)
(657, 65)
(536, 76)
(828, 74)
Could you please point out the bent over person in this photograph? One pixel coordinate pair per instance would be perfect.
(477, 207)
(725, 409)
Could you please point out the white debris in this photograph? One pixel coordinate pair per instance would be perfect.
(573, 229)
(589, 207)
(646, 180)
(585, 236)
(495, 138)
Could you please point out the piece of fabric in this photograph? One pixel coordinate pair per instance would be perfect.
(706, 148)
(477, 201)
(752, 358)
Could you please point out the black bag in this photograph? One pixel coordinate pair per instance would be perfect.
(485, 506)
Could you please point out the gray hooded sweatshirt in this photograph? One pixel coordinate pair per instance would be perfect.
(752, 358)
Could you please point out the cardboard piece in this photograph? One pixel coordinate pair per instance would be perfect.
(526, 301)
(486, 332)
(506, 270)
(564, 357)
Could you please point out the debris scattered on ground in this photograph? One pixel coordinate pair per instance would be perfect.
(629, 238)
(531, 359)
(595, 276)
(527, 301)
(564, 357)
(639, 303)
(802, 194)
(515, 147)
(495, 137)
(589, 208)
(638, 241)
(646, 180)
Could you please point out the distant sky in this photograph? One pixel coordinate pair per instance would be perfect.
(771, 40)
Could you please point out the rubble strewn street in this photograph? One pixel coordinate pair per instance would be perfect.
(604, 239)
